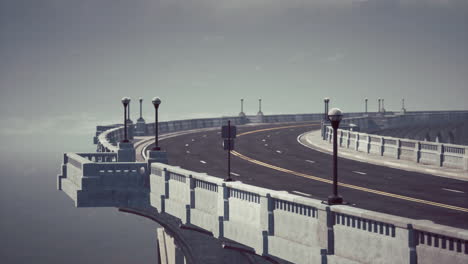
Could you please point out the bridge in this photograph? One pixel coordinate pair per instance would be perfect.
(407, 198)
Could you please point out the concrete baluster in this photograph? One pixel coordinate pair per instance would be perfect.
(340, 140)
(465, 158)
(440, 148)
(348, 140)
(266, 220)
(398, 148)
(356, 142)
(330, 220)
(417, 151)
(368, 143)
(223, 209)
(382, 146)
(167, 176)
(412, 243)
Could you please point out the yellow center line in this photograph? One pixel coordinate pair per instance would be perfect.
(351, 186)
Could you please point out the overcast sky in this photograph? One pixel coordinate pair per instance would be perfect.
(65, 64)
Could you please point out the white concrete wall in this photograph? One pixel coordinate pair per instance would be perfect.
(438, 154)
(299, 229)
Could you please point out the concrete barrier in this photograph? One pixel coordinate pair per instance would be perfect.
(424, 152)
(299, 229)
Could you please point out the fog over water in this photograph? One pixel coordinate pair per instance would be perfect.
(65, 64)
(40, 224)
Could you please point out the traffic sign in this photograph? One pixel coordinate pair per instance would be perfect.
(228, 144)
(228, 131)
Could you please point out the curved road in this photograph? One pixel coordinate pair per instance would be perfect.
(270, 156)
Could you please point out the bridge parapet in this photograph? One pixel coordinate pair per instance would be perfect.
(424, 152)
(299, 229)
(93, 180)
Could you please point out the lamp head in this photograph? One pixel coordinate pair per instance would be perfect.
(335, 114)
(156, 101)
(326, 99)
(126, 101)
(141, 99)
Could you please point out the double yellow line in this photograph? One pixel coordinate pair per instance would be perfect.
(315, 178)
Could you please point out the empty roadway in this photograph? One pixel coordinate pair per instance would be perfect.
(270, 156)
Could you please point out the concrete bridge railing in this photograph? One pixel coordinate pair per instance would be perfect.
(299, 229)
(424, 152)
(107, 137)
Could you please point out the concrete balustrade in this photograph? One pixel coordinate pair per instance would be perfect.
(98, 183)
(424, 152)
(300, 229)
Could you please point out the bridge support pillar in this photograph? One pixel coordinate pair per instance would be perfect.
(126, 152)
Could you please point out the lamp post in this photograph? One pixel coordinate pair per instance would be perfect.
(365, 100)
(335, 116)
(383, 107)
(260, 107)
(242, 105)
(326, 100)
(379, 105)
(141, 109)
(156, 103)
(125, 102)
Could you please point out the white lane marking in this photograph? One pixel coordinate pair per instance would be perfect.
(311, 161)
(301, 193)
(235, 174)
(186, 145)
(187, 152)
(218, 132)
(193, 139)
(360, 172)
(204, 135)
(279, 151)
(202, 161)
(266, 145)
(263, 140)
(268, 135)
(451, 190)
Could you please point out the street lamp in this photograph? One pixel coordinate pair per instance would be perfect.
(141, 109)
(379, 104)
(326, 100)
(365, 100)
(125, 102)
(260, 107)
(156, 103)
(335, 115)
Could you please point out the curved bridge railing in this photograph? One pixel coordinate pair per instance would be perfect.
(107, 137)
(300, 229)
(424, 152)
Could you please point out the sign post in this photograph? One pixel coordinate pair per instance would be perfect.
(228, 133)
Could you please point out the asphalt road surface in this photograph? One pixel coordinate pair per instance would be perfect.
(270, 156)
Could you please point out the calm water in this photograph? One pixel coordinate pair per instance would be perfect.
(40, 224)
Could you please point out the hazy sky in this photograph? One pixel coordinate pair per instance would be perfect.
(65, 64)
